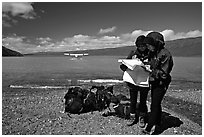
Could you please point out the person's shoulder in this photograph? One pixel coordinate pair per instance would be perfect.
(165, 51)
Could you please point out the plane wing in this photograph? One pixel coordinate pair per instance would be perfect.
(76, 55)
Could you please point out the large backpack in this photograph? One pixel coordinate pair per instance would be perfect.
(79, 100)
(74, 100)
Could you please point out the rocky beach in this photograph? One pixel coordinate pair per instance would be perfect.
(41, 112)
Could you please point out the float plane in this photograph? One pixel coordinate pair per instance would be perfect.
(76, 55)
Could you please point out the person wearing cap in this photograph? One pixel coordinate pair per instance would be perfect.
(141, 52)
(161, 64)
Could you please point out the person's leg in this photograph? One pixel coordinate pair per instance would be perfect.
(133, 97)
(143, 106)
(133, 101)
(157, 94)
(143, 99)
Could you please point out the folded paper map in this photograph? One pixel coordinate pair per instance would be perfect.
(135, 74)
(131, 63)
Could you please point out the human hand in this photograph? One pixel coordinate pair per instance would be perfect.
(123, 67)
(147, 67)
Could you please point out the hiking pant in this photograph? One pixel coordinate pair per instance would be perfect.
(133, 98)
(157, 94)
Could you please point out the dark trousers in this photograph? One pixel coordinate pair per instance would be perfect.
(157, 94)
(133, 98)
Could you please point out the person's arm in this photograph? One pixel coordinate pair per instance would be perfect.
(122, 66)
(162, 66)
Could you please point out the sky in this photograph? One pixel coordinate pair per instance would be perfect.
(30, 27)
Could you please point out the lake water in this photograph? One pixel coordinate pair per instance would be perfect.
(18, 69)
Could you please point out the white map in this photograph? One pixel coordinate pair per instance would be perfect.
(135, 74)
(131, 63)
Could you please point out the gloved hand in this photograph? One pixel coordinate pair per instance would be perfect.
(123, 67)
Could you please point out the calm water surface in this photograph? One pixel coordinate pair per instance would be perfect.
(186, 68)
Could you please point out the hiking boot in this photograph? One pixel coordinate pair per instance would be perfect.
(108, 113)
(142, 122)
(142, 119)
(144, 132)
(158, 130)
(132, 120)
(148, 131)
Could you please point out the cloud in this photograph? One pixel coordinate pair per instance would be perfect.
(44, 41)
(18, 43)
(89, 42)
(83, 42)
(168, 34)
(21, 9)
(171, 35)
(7, 20)
(107, 30)
(131, 37)
(5, 23)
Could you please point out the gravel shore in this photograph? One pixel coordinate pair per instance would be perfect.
(34, 112)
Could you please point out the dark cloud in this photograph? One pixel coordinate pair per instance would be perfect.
(20, 9)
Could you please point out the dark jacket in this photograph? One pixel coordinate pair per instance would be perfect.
(143, 56)
(161, 66)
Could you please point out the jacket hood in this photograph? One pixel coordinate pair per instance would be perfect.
(158, 38)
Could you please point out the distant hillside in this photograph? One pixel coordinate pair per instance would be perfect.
(185, 47)
(120, 51)
(46, 54)
(8, 52)
(181, 47)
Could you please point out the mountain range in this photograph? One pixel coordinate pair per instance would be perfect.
(181, 47)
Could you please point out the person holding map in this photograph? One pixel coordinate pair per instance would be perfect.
(161, 64)
(141, 53)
